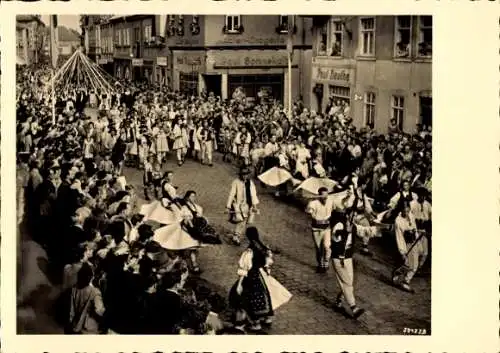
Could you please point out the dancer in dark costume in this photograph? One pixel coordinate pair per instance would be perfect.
(196, 224)
(250, 295)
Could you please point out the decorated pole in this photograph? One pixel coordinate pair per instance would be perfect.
(53, 56)
(289, 47)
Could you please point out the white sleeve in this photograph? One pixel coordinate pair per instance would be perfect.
(368, 205)
(186, 213)
(400, 240)
(245, 263)
(394, 201)
(310, 209)
(232, 195)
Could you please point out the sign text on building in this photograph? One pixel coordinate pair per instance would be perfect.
(137, 62)
(251, 61)
(250, 40)
(333, 74)
(189, 60)
(161, 61)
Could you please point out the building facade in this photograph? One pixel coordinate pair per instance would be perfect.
(68, 41)
(218, 53)
(139, 51)
(29, 39)
(380, 65)
(90, 24)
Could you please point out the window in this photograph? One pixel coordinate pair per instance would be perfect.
(369, 108)
(180, 26)
(148, 33)
(398, 110)
(171, 25)
(233, 24)
(367, 36)
(283, 25)
(188, 82)
(126, 36)
(119, 37)
(137, 35)
(111, 44)
(98, 37)
(425, 36)
(340, 94)
(322, 40)
(402, 38)
(336, 39)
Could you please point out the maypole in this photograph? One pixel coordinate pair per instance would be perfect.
(79, 70)
(53, 56)
(289, 47)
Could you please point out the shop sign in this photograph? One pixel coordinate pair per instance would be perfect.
(252, 61)
(251, 40)
(189, 60)
(161, 61)
(330, 74)
(137, 62)
(102, 61)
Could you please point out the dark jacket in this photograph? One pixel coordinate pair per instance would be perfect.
(340, 248)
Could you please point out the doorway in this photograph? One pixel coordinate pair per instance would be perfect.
(426, 111)
(213, 83)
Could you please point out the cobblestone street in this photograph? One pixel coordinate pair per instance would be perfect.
(285, 228)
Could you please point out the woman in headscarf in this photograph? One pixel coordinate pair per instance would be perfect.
(250, 293)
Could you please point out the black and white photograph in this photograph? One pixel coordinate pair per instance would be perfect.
(224, 174)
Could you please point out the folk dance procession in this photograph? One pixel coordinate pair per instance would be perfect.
(128, 254)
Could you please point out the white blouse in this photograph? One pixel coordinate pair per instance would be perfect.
(245, 263)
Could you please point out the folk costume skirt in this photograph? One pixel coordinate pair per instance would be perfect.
(203, 231)
(255, 298)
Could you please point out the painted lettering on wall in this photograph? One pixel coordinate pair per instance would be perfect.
(251, 61)
(333, 74)
(250, 40)
(189, 60)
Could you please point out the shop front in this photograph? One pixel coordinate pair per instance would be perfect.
(122, 68)
(260, 74)
(137, 68)
(162, 77)
(106, 63)
(148, 70)
(188, 66)
(332, 84)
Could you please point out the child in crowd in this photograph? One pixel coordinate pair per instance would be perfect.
(147, 179)
(107, 164)
(156, 179)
